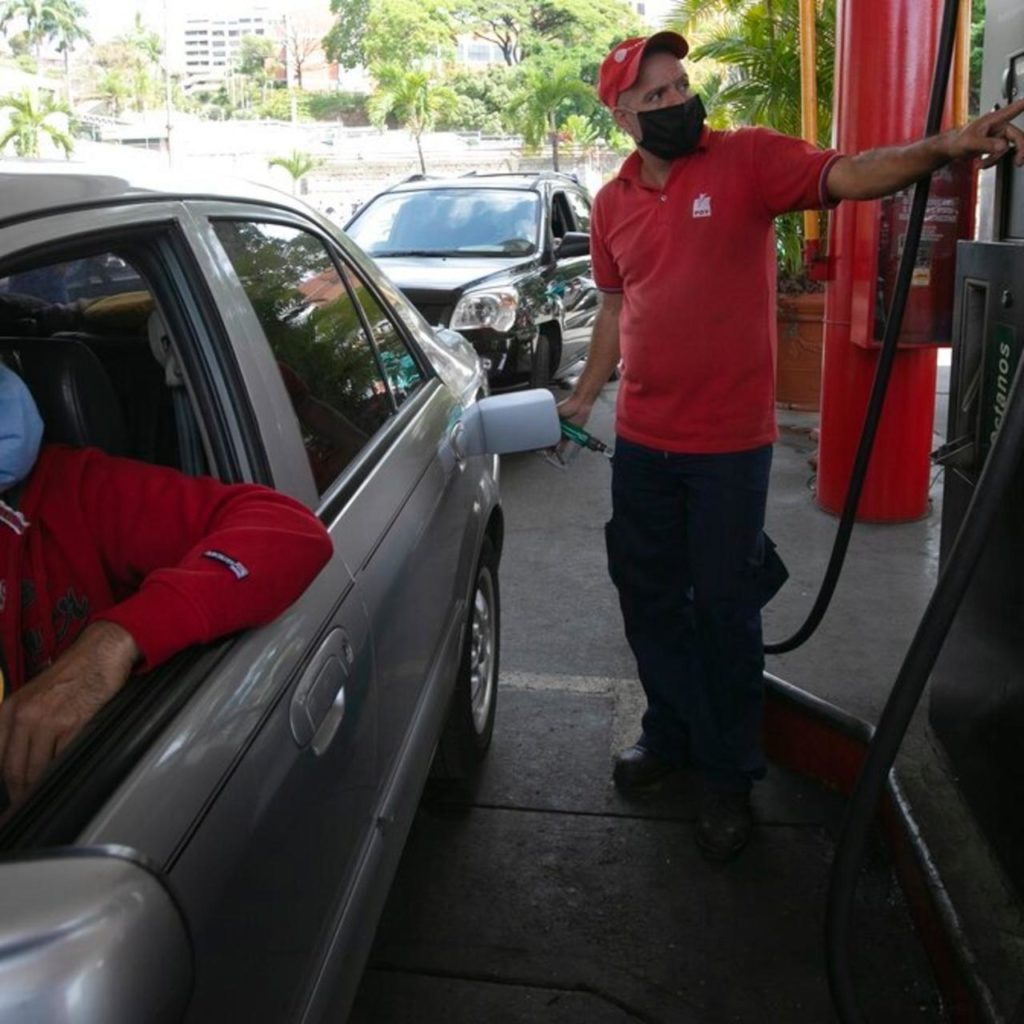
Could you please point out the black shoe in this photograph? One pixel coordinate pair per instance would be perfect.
(637, 767)
(724, 824)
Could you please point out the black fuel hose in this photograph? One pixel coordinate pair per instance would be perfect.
(893, 325)
(997, 474)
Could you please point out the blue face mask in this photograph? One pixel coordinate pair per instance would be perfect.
(21, 429)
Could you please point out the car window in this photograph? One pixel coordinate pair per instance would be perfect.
(309, 314)
(449, 221)
(561, 218)
(580, 210)
(93, 322)
(399, 364)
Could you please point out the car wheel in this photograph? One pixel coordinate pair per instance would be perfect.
(540, 368)
(467, 732)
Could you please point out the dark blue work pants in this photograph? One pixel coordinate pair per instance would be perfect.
(686, 549)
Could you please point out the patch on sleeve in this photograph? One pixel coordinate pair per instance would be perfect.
(12, 519)
(236, 567)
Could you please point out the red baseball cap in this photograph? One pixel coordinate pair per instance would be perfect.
(620, 68)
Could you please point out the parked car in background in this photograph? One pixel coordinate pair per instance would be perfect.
(502, 258)
(218, 843)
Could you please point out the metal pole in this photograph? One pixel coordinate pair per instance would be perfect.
(289, 72)
(168, 101)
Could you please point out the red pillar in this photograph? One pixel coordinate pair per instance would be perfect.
(885, 52)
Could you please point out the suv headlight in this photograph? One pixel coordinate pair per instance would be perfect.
(494, 308)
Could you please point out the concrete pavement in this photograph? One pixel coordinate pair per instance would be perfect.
(541, 894)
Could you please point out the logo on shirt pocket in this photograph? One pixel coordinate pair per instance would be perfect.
(702, 205)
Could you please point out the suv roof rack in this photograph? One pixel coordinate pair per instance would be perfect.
(537, 176)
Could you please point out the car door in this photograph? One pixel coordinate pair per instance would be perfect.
(572, 280)
(402, 512)
(245, 774)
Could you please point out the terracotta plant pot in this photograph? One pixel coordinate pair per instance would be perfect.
(801, 335)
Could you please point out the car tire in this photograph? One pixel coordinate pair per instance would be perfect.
(540, 367)
(470, 725)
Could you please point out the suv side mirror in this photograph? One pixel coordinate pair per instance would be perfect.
(572, 243)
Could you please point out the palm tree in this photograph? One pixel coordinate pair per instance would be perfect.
(45, 19)
(114, 90)
(38, 16)
(68, 30)
(145, 49)
(31, 117)
(758, 44)
(544, 92)
(413, 96)
(297, 164)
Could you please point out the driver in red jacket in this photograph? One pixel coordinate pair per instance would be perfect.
(110, 565)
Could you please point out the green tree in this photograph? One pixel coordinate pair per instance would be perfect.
(414, 97)
(142, 49)
(39, 16)
(367, 33)
(114, 89)
(32, 117)
(258, 61)
(543, 95)
(297, 164)
(977, 45)
(484, 97)
(68, 29)
(757, 43)
(524, 28)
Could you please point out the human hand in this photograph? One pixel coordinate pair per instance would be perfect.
(39, 720)
(575, 409)
(991, 137)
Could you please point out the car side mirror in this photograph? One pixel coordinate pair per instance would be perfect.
(523, 421)
(572, 243)
(91, 934)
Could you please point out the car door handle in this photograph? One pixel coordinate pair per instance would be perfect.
(330, 724)
(452, 451)
(318, 704)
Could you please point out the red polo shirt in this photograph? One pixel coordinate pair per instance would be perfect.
(695, 262)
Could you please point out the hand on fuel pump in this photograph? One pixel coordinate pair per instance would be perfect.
(990, 136)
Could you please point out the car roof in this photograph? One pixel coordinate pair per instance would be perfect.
(518, 180)
(33, 188)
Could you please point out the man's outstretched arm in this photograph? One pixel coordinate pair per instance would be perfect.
(880, 172)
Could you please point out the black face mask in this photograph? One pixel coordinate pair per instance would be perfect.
(671, 132)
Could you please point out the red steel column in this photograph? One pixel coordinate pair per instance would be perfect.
(885, 52)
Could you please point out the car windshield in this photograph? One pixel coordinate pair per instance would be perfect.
(449, 222)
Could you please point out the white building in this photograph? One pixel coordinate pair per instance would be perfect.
(212, 44)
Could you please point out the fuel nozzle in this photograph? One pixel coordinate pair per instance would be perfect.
(574, 440)
(576, 434)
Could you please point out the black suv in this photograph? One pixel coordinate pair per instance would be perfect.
(502, 258)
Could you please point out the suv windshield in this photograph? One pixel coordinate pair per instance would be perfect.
(449, 222)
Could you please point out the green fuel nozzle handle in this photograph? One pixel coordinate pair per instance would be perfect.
(571, 432)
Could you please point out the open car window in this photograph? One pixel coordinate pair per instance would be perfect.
(88, 337)
(87, 331)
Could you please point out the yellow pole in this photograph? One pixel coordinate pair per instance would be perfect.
(809, 97)
(962, 64)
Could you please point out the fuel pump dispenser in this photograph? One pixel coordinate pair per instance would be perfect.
(977, 697)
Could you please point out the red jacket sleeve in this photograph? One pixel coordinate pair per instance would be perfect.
(195, 558)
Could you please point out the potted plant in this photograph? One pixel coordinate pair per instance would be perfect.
(754, 49)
